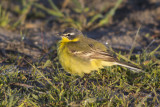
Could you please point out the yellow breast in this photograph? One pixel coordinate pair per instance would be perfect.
(74, 64)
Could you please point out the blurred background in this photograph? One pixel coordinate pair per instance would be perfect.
(120, 23)
(30, 73)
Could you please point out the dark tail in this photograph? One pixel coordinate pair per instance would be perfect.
(130, 66)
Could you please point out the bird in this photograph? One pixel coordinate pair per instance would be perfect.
(79, 55)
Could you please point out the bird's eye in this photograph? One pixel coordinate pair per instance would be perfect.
(68, 34)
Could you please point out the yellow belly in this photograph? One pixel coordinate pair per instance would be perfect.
(77, 65)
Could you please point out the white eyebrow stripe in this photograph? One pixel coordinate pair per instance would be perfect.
(71, 33)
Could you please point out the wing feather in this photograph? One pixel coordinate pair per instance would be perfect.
(93, 54)
(90, 49)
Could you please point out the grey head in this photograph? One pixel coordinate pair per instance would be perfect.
(72, 33)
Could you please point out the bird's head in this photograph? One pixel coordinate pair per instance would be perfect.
(71, 35)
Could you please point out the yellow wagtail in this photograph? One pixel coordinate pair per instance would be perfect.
(79, 54)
